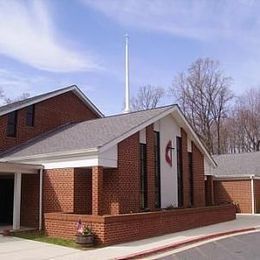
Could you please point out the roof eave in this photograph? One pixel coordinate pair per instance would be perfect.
(52, 156)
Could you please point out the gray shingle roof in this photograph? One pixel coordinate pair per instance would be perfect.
(84, 135)
(237, 164)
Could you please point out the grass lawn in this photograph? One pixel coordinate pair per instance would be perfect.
(41, 237)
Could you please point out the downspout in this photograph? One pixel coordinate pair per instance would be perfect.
(40, 199)
(252, 194)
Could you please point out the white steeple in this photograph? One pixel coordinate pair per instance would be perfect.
(127, 91)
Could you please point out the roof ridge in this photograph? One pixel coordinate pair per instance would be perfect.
(39, 95)
(130, 113)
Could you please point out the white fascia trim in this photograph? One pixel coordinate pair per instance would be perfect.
(196, 138)
(55, 156)
(71, 164)
(85, 99)
(80, 163)
(92, 158)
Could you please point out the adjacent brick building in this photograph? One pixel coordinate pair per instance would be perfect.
(66, 161)
(237, 180)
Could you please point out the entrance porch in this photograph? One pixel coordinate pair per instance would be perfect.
(20, 196)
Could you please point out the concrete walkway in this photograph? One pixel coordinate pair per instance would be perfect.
(15, 248)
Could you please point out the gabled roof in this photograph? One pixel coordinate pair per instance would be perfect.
(36, 99)
(239, 164)
(95, 134)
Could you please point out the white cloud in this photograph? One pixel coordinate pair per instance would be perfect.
(202, 20)
(14, 83)
(27, 34)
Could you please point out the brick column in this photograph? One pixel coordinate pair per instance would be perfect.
(209, 191)
(150, 167)
(185, 170)
(198, 177)
(97, 189)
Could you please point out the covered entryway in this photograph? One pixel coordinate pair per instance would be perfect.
(18, 193)
(6, 199)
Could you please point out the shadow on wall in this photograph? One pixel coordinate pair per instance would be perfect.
(68, 190)
(51, 201)
(236, 192)
(30, 200)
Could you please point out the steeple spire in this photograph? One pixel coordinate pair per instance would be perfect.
(127, 90)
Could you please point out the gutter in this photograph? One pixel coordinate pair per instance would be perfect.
(236, 177)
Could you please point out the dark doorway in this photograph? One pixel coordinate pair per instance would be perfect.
(6, 199)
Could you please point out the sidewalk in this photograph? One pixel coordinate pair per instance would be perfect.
(127, 250)
(37, 250)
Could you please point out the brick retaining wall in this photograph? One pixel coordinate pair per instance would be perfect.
(129, 227)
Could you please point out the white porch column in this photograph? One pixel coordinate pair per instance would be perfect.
(40, 200)
(252, 195)
(17, 200)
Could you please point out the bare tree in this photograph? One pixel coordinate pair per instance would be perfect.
(203, 94)
(19, 98)
(246, 120)
(147, 97)
(7, 100)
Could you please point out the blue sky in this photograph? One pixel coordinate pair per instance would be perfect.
(45, 45)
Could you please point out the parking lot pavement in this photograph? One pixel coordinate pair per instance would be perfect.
(246, 246)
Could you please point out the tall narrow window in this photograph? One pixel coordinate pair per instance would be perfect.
(179, 171)
(157, 170)
(191, 179)
(30, 115)
(11, 124)
(143, 176)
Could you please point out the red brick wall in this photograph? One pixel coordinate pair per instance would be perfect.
(150, 166)
(119, 183)
(237, 191)
(209, 191)
(110, 191)
(64, 225)
(97, 190)
(121, 186)
(30, 200)
(198, 177)
(122, 228)
(49, 114)
(68, 190)
(185, 170)
(58, 189)
(82, 191)
(129, 174)
(257, 195)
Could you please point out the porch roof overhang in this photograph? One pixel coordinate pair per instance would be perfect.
(78, 158)
(13, 167)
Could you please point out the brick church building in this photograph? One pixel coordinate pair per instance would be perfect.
(129, 176)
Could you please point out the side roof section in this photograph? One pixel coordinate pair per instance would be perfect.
(36, 99)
